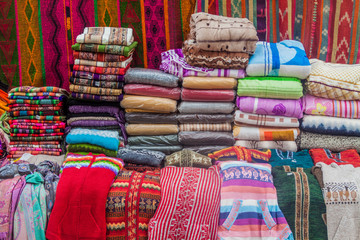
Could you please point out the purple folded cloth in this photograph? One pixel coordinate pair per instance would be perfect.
(94, 109)
(94, 123)
(99, 77)
(275, 107)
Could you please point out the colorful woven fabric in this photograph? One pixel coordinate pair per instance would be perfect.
(244, 132)
(41, 118)
(98, 77)
(188, 158)
(102, 48)
(103, 64)
(131, 202)
(35, 102)
(101, 57)
(102, 70)
(30, 89)
(106, 35)
(95, 90)
(238, 153)
(342, 158)
(97, 97)
(264, 120)
(33, 113)
(94, 83)
(212, 127)
(281, 145)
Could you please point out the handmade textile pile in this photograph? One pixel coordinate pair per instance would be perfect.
(332, 107)
(37, 122)
(269, 101)
(150, 103)
(102, 57)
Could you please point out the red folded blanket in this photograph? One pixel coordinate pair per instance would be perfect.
(153, 91)
(207, 95)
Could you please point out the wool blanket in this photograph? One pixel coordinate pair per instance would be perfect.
(77, 101)
(334, 81)
(238, 153)
(249, 206)
(173, 62)
(111, 110)
(153, 91)
(85, 62)
(36, 108)
(219, 33)
(106, 35)
(275, 107)
(270, 87)
(36, 131)
(264, 120)
(94, 118)
(209, 83)
(34, 149)
(100, 57)
(35, 139)
(61, 98)
(333, 108)
(210, 127)
(33, 113)
(298, 187)
(205, 118)
(204, 138)
(300, 159)
(157, 104)
(198, 95)
(331, 125)
(167, 150)
(336, 143)
(143, 157)
(205, 150)
(151, 77)
(206, 107)
(286, 59)
(198, 57)
(84, 147)
(105, 48)
(35, 102)
(102, 70)
(151, 117)
(95, 83)
(94, 123)
(95, 90)
(151, 129)
(245, 132)
(188, 158)
(24, 95)
(281, 145)
(349, 156)
(98, 77)
(30, 89)
(162, 140)
(35, 134)
(183, 192)
(85, 96)
(40, 118)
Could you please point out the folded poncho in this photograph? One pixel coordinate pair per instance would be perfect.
(98, 77)
(151, 129)
(264, 120)
(101, 57)
(94, 97)
(103, 138)
(162, 140)
(286, 59)
(244, 132)
(238, 153)
(211, 127)
(205, 118)
(206, 138)
(188, 158)
(206, 107)
(95, 83)
(207, 95)
(104, 48)
(270, 87)
(331, 125)
(151, 76)
(102, 70)
(333, 108)
(209, 83)
(277, 107)
(103, 64)
(334, 81)
(161, 105)
(153, 91)
(151, 117)
(281, 145)
(106, 35)
(143, 157)
(219, 33)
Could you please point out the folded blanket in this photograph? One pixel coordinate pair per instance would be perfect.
(153, 91)
(164, 140)
(205, 118)
(83, 147)
(209, 83)
(301, 159)
(35, 102)
(97, 97)
(38, 125)
(333, 108)
(286, 59)
(151, 129)
(17, 154)
(161, 105)
(32, 113)
(29, 122)
(151, 76)
(36, 94)
(349, 156)
(36, 131)
(219, 33)
(106, 35)
(39, 145)
(211, 127)
(140, 168)
(277, 107)
(103, 138)
(36, 134)
(104, 48)
(143, 157)
(94, 123)
(173, 62)
(206, 138)
(103, 64)
(38, 108)
(334, 81)
(331, 125)
(205, 150)
(89, 118)
(207, 95)
(102, 70)
(61, 98)
(95, 90)
(29, 89)
(334, 143)
(238, 153)
(244, 132)
(151, 118)
(34, 149)
(41, 118)
(98, 77)
(206, 107)
(164, 149)
(77, 101)
(188, 158)
(264, 120)
(95, 83)
(101, 57)
(32, 138)
(270, 87)
(12, 105)
(198, 57)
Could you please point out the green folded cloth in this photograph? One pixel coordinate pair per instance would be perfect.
(83, 147)
(270, 87)
(112, 49)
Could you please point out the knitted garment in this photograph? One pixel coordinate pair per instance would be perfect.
(81, 197)
(188, 158)
(342, 158)
(185, 191)
(238, 153)
(300, 200)
(249, 207)
(292, 159)
(83, 147)
(131, 203)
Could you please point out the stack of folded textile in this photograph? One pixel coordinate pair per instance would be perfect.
(102, 57)
(37, 120)
(332, 107)
(269, 101)
(96, 127)
(150, 103)
(206, 113)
